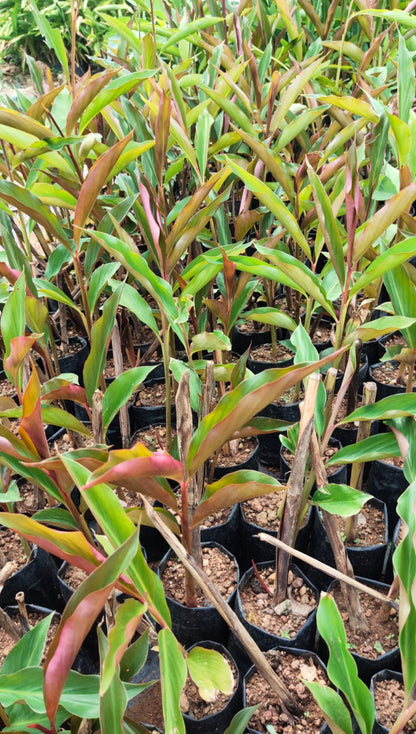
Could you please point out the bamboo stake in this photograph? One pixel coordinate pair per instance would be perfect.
(211, 592)
(327, 569)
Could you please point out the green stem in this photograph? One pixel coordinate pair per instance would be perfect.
(166, 351)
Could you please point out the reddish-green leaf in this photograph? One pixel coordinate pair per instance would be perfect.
(128, 616)
(26, 202)
(31, 427)
(78, 618)
(376, 226)
(237, 407)
(95, 180)
(125, 466)
(85, 96)
(19, 347)
(232, 488)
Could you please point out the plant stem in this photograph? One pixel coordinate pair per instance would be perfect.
(293, 500)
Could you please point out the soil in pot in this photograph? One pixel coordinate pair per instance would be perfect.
(262, 357)
(149, 404)
(235, 455)
(153, 437)
(367, 554)
(189, 624)
(388, 693)
(376, 647)
(386, 375)
(292, 670)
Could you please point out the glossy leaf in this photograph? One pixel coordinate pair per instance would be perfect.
(333, 708)
(98, 281)
(13, 322)
(351, 104)
(19, 346)
(386, 261)
(394, 406)
(271, 316)
(232, 488)
(404, 562)
(376, 328)
(376, 226)
(100, 338)
(126, 466)
(210, 341)
(328, 224)
(77, 619)
(115, 88)
(237, 407)
(274, 204)
(380, 446)
(272, 163)
(25, 123)
(120, 391)
(294, 89)
(340, 499)
(210, 672)
(135, 656)
(237, 116)
(31, 428)
(29, 650)
(113, 704)
(96, 178)
(172, 678)
(31, 205)
(116, 525)
(341, 666)
(127, 617)
(240, 721)
(86, 95)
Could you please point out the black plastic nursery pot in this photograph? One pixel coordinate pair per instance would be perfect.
(254, 549)
(367, 561)
(145, 415)
(282, 726)
(385, 389)
(383, 675)
(339, 476)
(190, 624)
(217, 722)
(251, 463)
(303, 639)
(368, 666)
(257, 366)
(227, 534)
(387, 482)
(242, 340)
(38, 581)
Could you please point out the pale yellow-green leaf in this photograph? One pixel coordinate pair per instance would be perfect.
(351, 104)
(402, 137)
(210, 672)
(292, 92)
(53, 195)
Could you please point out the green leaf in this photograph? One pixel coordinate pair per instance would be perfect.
(113, 703)
(376, 328)
(26, 202)
(380, 446)
(274, 204)
(210, 341)
(120, 390)
(28, 651)
(127, 617)
(100, 337)
(404, 562)
(135, 656)
(210, 672)
(328, 224)
(98, 281)
(116, 88)
(240, 721)
(341, 667)
(237, 407)
(394, 406)
(237, 116)
(333, 708)
(402, 291)
(172, 677)
(52, 37)
(340, 499)
(272, 316)
(406, 80)
(232, 488)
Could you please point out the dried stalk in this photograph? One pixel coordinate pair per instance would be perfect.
(294, 494)
(357, 470)
(118, 369)
(327, 569)
(357, 620)
(9, 626)
(212, 593)
(97, 417)
(23, 615)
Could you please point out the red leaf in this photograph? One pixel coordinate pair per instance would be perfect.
(31, 427)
